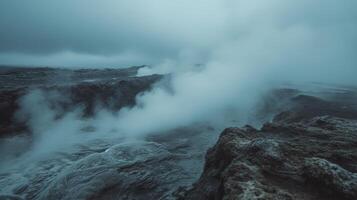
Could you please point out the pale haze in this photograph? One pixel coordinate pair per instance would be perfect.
(222, 55)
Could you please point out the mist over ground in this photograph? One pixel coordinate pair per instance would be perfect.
(221, 54)
(221, 57)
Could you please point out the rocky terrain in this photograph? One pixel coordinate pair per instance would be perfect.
(86, 88)
(308, 151)
(101, 167)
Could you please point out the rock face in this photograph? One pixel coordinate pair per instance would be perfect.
(110, 88)
(307, 152)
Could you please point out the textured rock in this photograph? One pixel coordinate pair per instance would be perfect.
(308, 152)
(331, 176)
(111, 89)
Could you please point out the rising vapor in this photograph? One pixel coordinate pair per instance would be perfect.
(219, 58)
(222, 55)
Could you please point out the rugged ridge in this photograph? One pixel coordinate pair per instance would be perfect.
(309, 151)
(85, 88)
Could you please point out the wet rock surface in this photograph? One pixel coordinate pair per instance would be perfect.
(308, 151)
(153, 168)
(124, 171)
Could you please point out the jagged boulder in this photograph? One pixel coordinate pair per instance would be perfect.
(302, 154)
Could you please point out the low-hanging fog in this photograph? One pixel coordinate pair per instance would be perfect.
(222, 56)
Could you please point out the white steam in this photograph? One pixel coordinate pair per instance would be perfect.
(265, 43)
(242, 48)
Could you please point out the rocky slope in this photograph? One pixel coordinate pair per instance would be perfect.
(86, 88)
(309, 151)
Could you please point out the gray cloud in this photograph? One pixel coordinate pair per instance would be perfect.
(157, 30)
(37, 26)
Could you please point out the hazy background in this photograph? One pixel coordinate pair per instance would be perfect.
(243, 48)
(110, 33)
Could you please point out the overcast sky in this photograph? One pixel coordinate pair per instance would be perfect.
(106, 31)
(130, 32)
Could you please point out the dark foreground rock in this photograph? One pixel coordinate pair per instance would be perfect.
(308, 152)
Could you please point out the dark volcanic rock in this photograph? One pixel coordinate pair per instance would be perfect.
(307, 152)
(111, 89)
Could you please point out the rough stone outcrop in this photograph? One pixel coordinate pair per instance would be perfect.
(307, 152)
